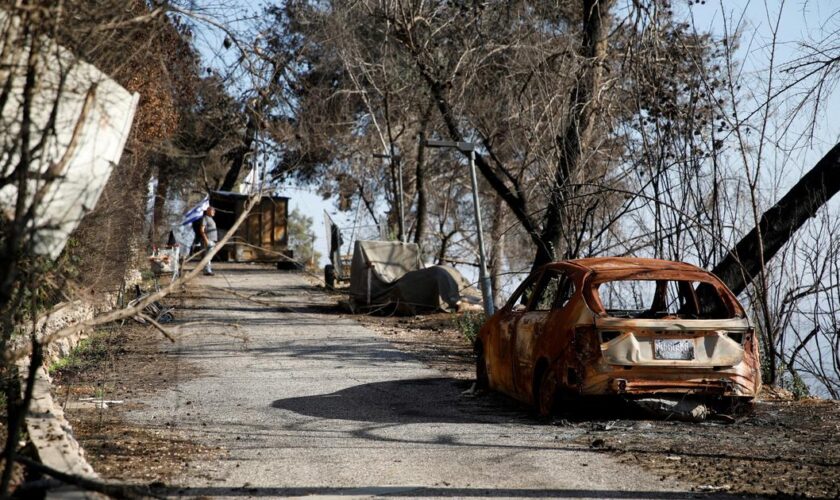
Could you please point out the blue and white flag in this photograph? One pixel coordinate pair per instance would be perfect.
(196, 212)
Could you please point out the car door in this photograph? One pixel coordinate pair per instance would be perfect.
(549, 299)
(499, 345)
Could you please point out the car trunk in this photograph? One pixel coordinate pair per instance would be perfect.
(678, 343)
(652, 333)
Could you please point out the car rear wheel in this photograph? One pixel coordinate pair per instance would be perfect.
(482, 381)
(547, 393)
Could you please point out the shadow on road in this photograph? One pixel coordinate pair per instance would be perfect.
(425, 400)
(430, 492)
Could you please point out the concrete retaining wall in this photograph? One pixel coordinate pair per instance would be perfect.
(48, 430)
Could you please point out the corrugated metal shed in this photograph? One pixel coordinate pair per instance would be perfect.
(263, 237)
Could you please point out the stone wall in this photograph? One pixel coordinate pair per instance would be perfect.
(49, 431)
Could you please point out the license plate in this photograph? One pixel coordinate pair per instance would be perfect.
(673, 349)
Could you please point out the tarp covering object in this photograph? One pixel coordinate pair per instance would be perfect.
(390, 273)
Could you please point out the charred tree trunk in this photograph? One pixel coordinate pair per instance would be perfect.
(497, 248)
(777, 225)
(15, 240)
(582, 107)
(17, 400)
(420, 175)
(239, 155)
(444, 246)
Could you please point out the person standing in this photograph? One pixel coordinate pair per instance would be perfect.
(206, 235)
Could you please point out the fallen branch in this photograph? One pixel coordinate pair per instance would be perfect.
(157, 326)
(116, 490)
(14, 354)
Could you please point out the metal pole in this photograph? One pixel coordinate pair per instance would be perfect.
(396, 158)
(483, 277)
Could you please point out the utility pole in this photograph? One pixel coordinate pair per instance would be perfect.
(484, 277)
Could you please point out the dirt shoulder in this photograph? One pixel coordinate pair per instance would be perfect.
(117, 365)
(783, 448)
(787, 448)
(433, 339)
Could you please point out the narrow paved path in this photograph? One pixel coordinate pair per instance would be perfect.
(308, 403)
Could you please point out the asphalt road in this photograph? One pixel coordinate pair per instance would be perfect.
(306, 402)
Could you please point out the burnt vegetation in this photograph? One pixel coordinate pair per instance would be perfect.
(601, 128)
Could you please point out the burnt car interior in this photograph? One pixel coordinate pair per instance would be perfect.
(660, 299)
(553, 290)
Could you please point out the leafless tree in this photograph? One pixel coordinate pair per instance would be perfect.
(39, 52)
(603, 129)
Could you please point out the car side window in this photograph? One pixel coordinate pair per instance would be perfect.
(527, 293)
(555, 290)
(522, 295)
(565, 290)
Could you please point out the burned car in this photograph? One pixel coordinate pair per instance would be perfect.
(625, 327)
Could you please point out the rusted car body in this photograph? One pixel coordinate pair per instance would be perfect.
(587, 327)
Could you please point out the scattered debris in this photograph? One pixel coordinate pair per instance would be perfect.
(608, 426)
(708, 488)
(155, 310)
(685, 409)
(101, 403)
(116, 448)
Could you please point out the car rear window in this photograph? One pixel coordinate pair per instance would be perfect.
(657, 299)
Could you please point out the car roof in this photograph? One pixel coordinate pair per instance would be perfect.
(631, 264)
(601, 269)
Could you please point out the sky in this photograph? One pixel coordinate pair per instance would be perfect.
(801, 21)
